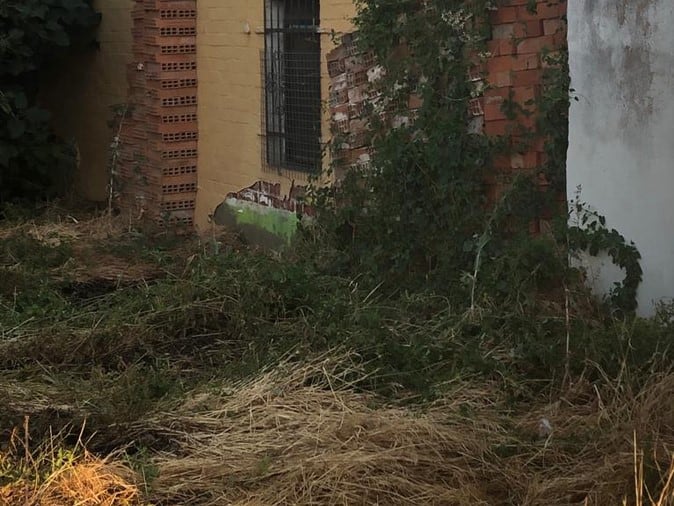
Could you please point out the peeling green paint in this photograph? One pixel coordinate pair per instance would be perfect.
(261, 225)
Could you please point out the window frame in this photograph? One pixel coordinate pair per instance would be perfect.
(292, 82)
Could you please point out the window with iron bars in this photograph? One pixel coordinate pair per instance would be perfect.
(292, 68)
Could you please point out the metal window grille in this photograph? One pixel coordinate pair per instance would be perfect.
(292, 67)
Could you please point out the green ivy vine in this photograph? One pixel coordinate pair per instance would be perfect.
(418, 215)
(590, 235)
(418, 209)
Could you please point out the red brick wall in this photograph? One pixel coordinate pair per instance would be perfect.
(513, 71)
(351, 75)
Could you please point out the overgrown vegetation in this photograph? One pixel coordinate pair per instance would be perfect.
(34, 163)
(418, 215)
(416, 346)
(150, 344)
(415, 216)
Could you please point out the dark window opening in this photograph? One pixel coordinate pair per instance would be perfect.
(293, 84)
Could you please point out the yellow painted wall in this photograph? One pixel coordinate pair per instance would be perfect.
(81, 90)
(230, 40)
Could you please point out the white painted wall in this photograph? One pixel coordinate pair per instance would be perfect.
(621, 131)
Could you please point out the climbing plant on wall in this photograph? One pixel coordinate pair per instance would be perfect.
(415, 211)
(418, 213)
(34, 163)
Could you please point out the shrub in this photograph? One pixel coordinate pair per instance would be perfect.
(34, 163)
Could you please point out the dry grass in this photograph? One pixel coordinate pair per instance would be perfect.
(84, 236)
(62, 227)
(588, 457)
(666, 494)
(292, 436)
(303, 434)
(54, 476)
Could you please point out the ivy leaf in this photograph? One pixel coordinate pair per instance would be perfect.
(60, 38)
(40, 11)
(482, 242)
(37, 115)
(7, 152)
(20, 101)
(16, 128)
(16, 33)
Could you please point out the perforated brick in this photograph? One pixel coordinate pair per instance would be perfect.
(179, 49)
(179, 170)
(178, 66)
(177, 31)
(180, 137)
(179, 101)
(169, 84)
(158, 169)
(179, 118)
(178, 14)
(176, 154)
(178, 205)
(171, 188)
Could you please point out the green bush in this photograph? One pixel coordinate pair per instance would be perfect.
(34, 163)
(412, 217)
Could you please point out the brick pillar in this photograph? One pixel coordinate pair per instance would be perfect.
(158, 170)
